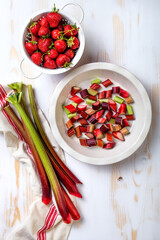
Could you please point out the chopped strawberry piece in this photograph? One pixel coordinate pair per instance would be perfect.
(109, 145)
(109, 137)
(70, 132)
(81, 107)
(69, 124)
(123, 93)
(74, 90)
(126, 123)
(107, 83)
(99, 113)
(122, 109)
(83, 141)
(95, 86)
(118, 135)
(71, 108)
(83, 121)
(76, 99)
(113, 105)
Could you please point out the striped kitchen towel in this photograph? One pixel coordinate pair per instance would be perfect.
(43, 221)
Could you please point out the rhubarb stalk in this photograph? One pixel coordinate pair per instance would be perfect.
(59, 197)
(45, 138)
(46, 190)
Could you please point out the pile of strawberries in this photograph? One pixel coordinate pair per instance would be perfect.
(52, 41)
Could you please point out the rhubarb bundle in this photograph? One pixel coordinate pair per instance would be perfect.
(53, 173)
(102, 111)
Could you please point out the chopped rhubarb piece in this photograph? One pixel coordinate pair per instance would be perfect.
(71, 115)
(109, 137)
(75, 118)
(129, 100)
(90, 128)
(96, 81)
(108, 93)
(103, 100)
(125, 122)
(74, 104)
(70, 132)
(89, 135)
(96, 105)
(90, 111)
(124, 131)
(81, 107)
(105, 105)
(98, 134)
(123, 93)
(83, 128)
(76, 99)
(78, 131)
(118, 99)
(113, 105)
(83, 121)
(109, 145)
(122, 109)
(84, 93)
(115, 115)
(129, 110)
(83, 141)
(99, 113)
(69, 124)
(110, 126)
(107, 83)
(102, 95)
(130, 117)
(119, 120)
(92, 120)
(94, 98)
(84, 115)
(101, 120)
(115, 89)
(117, 127)
(65, 109)
(71, 108)
(109, 115)
(104, 128)
(74, 90)
(92, 92)
(91, 142)
(90, 101)
(100, 143)
(95, 86)
(112, 120)
(118, 135)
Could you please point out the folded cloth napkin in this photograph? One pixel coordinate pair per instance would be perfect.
(43, 221)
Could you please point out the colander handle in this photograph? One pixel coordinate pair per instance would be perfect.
(77, 5)
(25, 75)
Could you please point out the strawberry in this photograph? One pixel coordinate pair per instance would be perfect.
(43, 44)
(62, 60)
(109, 145)
(73, 42)
(69, 53)
(34, 28)
(34, 38)
(70, 30)
(60, 45)
(118, 135)
(44, 22)
(60, 27)
(37, 58)
(53, 53)
(56, 34)
(44, 32)
(31, 47)
(54, 18)
(46, 58)
(50, 64)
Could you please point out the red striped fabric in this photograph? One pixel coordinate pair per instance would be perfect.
(52, 214)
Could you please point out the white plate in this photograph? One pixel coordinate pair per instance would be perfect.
(141, 106)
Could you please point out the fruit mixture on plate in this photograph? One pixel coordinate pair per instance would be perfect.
(51, 41)
(100, 112)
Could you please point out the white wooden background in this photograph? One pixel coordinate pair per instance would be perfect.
(120, 201)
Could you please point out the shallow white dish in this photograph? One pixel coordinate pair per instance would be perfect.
(141, 106)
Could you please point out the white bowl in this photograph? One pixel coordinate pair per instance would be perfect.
(27, 57)
(141, 106)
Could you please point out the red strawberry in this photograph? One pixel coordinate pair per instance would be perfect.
(53, 53)
(46, 58)
(123, 93)
(31, 47)
(73, 43)
(56, 34)
(44, 32)
(37, 58)
(34, 38)
(109, 145)
(62, 60)
(60, 27)
(69, 53)
(34, 28)
(44, 22)
(70, 30)
(60, 45)
(118, 135)
(43, 44)
(50, 64)
(54, 18)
